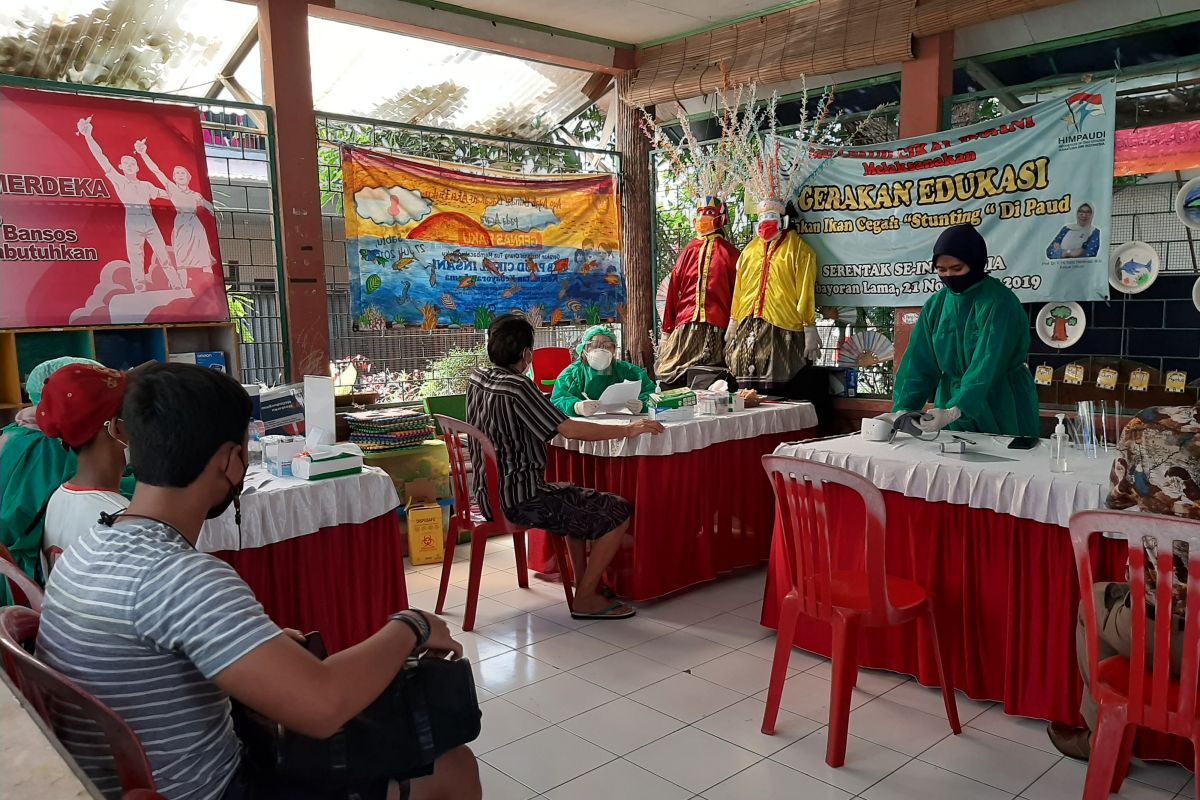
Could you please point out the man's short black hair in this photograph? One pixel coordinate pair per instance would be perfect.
(508, 337)
(178, 416)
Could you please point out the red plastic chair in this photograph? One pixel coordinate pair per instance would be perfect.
(848, 601)
(468, 518)
(548, 364)
(40, 684)
(1129, 697)
(22, 588)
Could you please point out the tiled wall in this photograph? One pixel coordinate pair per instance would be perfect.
(1159, 328)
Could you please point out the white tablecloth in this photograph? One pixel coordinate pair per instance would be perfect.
(277, 509)
(1015, 482)
(698, 433)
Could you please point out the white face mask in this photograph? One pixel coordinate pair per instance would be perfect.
(108, 428)
(599, 359)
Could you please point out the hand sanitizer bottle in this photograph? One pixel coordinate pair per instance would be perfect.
(1059, 444)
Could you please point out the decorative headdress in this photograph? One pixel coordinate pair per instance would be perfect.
(770, 169)
(707, 170)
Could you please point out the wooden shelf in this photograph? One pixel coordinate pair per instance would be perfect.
(117, 346)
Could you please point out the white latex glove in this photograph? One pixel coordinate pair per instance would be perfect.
(889, 418)
(812, 345)
(937, 418)
(635, 406)
(587, 408)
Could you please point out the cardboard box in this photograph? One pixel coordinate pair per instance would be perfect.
(326, 462)
(426, 462)
(278, 452)
(282, 410)
(210, 359)
(426, 535)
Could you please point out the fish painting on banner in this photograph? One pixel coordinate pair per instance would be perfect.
(433, 245)
(1036, 183)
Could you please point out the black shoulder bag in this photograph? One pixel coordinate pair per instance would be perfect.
(428, 710)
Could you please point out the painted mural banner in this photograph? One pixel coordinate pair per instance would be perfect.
(1036, 183)
(106, 214)
(434, 245)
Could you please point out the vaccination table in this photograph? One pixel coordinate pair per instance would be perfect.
(987, 534)
(702, 504)
(322, 555)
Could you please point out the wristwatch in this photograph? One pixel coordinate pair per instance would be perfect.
(417, 622)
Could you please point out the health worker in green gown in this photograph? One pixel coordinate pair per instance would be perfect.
(577, 390)
(32, 467)
(969, 349)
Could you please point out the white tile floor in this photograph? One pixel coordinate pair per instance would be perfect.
(668, 706)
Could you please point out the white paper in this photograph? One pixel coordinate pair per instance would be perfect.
(319, 424)
(616, 397)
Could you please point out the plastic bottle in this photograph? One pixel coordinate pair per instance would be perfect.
(1059, 445)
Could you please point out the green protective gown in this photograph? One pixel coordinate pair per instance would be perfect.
(581, 382)
(32, 467)
(968, 351)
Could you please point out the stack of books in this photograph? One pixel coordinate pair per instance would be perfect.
(389, 429)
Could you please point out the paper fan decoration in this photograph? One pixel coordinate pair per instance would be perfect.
(842, 316)
(867, 349)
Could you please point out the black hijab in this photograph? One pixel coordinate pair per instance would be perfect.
(964, 243)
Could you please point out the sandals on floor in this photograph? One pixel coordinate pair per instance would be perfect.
(606, 613)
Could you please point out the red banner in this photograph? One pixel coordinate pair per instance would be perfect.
(1159, 148)
(106, 214)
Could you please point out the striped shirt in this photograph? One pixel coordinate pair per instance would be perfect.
(520, 421)
(142, 621)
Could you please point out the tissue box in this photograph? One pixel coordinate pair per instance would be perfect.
(278, 452)
(425, 532)
(326, 463)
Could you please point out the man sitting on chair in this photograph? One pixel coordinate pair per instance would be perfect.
(520, 421)
(1157, 471)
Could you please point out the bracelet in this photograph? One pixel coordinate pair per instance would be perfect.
(416, 623)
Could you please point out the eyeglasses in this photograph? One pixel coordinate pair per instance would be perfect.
(612, 348)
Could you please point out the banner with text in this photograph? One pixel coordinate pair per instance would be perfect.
(1037, 184)
(106, 216)
(435, 245)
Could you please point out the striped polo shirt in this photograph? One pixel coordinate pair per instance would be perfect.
(142, 621)
(520, 421)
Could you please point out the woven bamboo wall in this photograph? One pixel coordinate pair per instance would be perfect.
(818, 38)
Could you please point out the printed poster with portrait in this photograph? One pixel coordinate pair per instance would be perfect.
(435, 245)
(1036, 183)
(106, 215)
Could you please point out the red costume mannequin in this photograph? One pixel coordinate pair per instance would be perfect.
(699, 294)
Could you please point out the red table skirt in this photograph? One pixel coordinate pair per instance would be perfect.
(1007, 598)
(696, 514)
(343, 581)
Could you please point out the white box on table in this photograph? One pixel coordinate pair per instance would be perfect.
(681, 414)
(327, 462)
(278, 452)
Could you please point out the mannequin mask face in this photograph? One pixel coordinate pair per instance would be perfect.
(770, 225)
(706, 222)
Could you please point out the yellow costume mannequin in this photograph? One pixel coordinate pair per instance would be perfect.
(774, 309)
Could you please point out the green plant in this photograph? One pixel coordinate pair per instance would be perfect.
(448, 375)
(241, 306)
(593, 314)
(483, 319)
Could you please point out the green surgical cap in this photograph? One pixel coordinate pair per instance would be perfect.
(592, 333)
(39, 374)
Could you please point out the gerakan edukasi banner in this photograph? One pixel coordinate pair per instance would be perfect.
(1037, 184)
(106, 215)
(439, 245)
